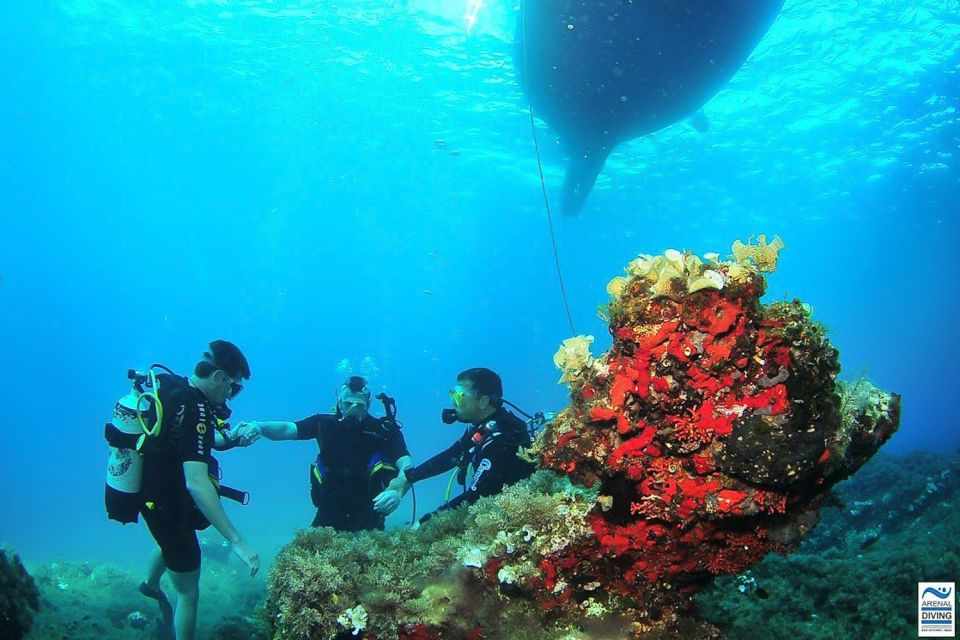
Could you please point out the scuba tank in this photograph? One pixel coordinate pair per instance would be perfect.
(125, 434)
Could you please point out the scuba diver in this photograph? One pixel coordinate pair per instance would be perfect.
(359, 455)
(489, 445)
(160, 437)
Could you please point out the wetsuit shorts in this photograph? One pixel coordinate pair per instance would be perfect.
(177, 540)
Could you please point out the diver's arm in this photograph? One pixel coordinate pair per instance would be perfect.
(401, 483)
(498, 466)
(205, 496)
(246, 433)
(277, 430)
(226, 440)
(443, 461)
(388, 500)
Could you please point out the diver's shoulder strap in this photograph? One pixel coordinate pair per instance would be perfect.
(118, 439)
(169, 384)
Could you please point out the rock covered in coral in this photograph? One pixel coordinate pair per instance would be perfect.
(19, 598)
(714, 427)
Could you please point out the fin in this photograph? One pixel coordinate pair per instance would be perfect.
(166, 611)
(582, 172)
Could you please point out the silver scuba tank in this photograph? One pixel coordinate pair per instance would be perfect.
(125, 466)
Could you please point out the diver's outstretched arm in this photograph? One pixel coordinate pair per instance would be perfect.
(269, 429)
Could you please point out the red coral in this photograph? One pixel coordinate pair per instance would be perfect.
(602, 414)
(660, 385)
(492, 567)
(549, 574)
(418, 632)
(718, 316)
(782, 356)
(707, 384)
(565, 439)
(647, 341)
(632, 447)
(719, 349)
(728, 500)
(773, 400)
(623, 383)
(703, 463)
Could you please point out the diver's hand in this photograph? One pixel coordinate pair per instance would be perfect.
(248, 556)
(387, 501)
(246, 433)
(400, 484)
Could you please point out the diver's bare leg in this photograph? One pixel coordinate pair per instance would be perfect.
(187, 586)
(151, 588)
(157, 568)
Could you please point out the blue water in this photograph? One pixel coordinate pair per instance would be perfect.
(320, 183)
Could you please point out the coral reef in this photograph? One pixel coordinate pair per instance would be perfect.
(894, 524)
(451, 574)
(708, 436)
(19, 598)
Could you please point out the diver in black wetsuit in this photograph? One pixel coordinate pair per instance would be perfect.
(177, 493)
(489, 444)
(358, 456)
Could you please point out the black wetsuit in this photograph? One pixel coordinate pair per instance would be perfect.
(356, 462)
(491, 447)
(186, 435)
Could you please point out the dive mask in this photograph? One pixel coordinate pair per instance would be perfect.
(353, 399)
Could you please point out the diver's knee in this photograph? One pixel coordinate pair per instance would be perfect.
(187, 585)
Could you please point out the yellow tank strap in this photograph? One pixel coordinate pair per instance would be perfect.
(316, 473)
(380, 466)
(152, 431)
(150, 505)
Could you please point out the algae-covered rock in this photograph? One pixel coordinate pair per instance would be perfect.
(19, 598)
